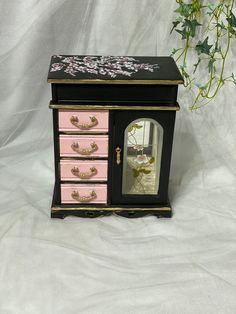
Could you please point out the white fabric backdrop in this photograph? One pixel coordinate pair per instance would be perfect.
(109, 265)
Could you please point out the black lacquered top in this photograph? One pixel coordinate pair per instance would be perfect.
(75, 69)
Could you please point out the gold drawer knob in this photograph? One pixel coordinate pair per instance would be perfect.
(84, 175)
(84, 126)
(84, 199)
(84, 151)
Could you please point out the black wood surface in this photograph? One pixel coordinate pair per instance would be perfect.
(121, 121)
(160, 94)
(72, 67)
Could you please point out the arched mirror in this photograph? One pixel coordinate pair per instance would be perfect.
(142, 157)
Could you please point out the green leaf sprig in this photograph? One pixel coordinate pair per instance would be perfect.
(207, 29)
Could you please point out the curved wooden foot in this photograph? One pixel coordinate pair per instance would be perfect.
(99, 213)
(140, 213)
(80, 213)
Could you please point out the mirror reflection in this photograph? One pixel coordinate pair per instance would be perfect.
(142, 157)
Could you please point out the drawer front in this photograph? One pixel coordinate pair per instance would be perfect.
(83, 120)
(83, 193)
(84, 145)
(79, 170)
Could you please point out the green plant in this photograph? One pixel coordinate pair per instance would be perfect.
(207, 30)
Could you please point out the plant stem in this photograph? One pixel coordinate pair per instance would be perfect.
(221, 80)
(219, 15)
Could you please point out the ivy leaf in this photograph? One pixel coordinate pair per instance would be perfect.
(203, 87)
(183, 32)
(130, 129)
(234, 79)
(145, 171)
(184, 9)
(203, 47)
(135, 173)
(211, 7)
(191, 24)
(221, 25)
(174, 51)
(134, 126)
(232, 20)
(151, 160)
(175, 23)
(137, 126)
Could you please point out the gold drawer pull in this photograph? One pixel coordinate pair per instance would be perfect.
(84, 199)
(84, 126)
(118, 151)
(84, 151)
(84, 175)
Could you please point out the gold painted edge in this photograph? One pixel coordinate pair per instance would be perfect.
(114, 107)
(123, 82)
(82, 133)
(54, 209)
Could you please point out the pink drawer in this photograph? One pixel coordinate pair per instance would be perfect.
(84, 145)
(83, 193)
(79, 170)
(83, 120)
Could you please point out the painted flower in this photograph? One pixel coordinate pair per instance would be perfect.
(92, 71)
(57, 67)
(141, 159)
(104, 65)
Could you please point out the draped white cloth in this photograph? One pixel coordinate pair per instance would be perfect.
(182, 265)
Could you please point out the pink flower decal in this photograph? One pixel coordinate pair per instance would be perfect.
(56, 67)
(104, 65)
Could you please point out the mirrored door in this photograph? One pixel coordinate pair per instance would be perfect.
(142, 157)
(140, 154)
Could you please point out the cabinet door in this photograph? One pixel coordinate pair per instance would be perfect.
(142, 145)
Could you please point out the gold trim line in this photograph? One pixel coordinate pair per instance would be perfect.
(94, 158)
(109, 208)
(123, 82)
(114, 107)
